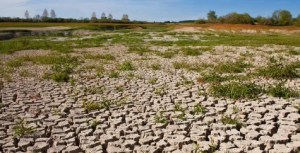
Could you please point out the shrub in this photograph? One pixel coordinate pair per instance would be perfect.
(91, 105)
(60, 77)
(198, 109)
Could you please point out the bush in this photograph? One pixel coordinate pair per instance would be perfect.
(60, 77)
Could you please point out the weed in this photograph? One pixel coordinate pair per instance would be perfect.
(228, 120)
(1, 85)
(236, 90)
(198, 109)
(139, 50)
(130, 75)
(180, 65)
(94, 90)
(99, 56)
(155, 66)
(91, 105)
(235, 109)
(21, 128)
(126, 66)
(25, 73)
(231, 67)
(105, 103)
(298, 107)
(14, 63)
(294, 52)
(152, 80)
(60, 77)
(160, 118)
(279, 90)
(94, 124)
(167, 54)
(278, 70)
(212, 77)
(113, 74)
(191, 52)
(120, 88)
(186, 81)
(178, 107)
(160, 91)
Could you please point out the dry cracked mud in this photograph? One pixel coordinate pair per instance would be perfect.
(140, 116)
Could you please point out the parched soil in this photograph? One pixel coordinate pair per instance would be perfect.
(147, 108)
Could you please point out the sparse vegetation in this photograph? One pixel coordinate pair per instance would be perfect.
(228, 120)
(126, 66)
(152, 80)
(21, 128)
(236, 90)
(160, 118)
(113, 74)
(155, 66)
(279, 90)
(198, 109)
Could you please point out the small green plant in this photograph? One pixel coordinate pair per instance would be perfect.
(120, 88)
(1, 85)
(139, 50)
(279, 90)
(126, 66)
(231, 67)
(212, 77)
(197, 149)
(277, 69)
(160, 118)
(99, 56)
(178, 107)
(21, 128)
(14, 63)
(198, 109)
(298, 107)
(228, 120)
(113, 74)
(235, 109)
(94, 124)
(160, 91)
(236, 90)
(180, 65)
(94, 90)
(152, 80)
(191, 52)
(155, 66)
(25, 73)
(167, 54)
(55, 111)
(60, 77)
(91, 105)
(105, 103)
(186, 81)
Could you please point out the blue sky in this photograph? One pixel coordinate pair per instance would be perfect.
(149, 10)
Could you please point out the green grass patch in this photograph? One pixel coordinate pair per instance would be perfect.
(231, 67)
(99, 56)
(126, 66)
(236, 90)
(279, 90)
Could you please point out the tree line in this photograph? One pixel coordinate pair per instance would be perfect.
(278, 18)
(51, 17)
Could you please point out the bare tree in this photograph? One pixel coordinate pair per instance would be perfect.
(52, 14)
(45, 14)
(27, 15)
(103, 16)
(110, 17)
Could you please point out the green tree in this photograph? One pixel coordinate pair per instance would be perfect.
(211, 16)
(297, 21)
(282, 17)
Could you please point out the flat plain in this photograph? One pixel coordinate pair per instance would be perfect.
(149, 88)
